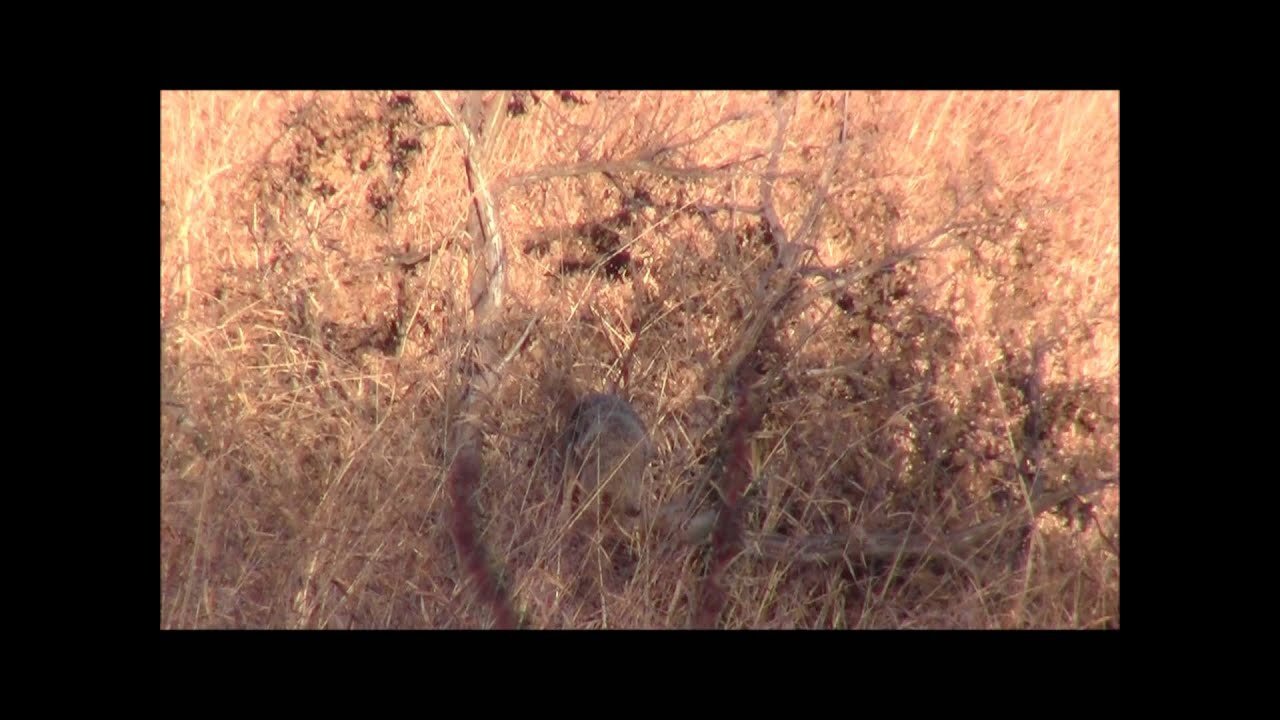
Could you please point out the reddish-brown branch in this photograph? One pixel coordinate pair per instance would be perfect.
(464, 476)
(726, 541)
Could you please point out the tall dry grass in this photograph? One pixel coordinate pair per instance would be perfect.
(942, 357)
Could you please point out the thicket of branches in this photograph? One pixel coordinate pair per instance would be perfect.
(864, 380)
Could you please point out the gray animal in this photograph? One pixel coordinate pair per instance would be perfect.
(607, 452)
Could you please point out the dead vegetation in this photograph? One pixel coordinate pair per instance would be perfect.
(874, 336)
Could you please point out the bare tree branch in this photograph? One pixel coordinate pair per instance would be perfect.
(828, 548)
(727, 120)
(642, 163)
(491, 294)
(464, 476)
(480, 367)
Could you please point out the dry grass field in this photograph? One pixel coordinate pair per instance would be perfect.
(874, 337)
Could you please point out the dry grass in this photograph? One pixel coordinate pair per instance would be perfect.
(317, 279)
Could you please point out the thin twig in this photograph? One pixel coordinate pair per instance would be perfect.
(829, 547)
(639, 163)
